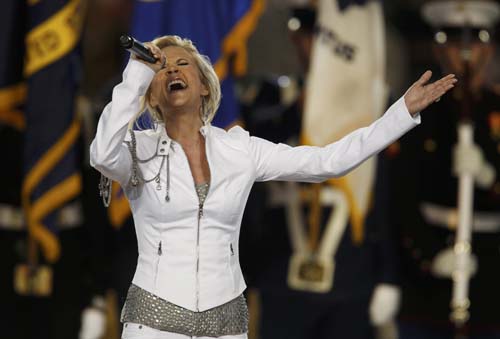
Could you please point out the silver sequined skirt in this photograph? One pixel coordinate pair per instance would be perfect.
(142, 307)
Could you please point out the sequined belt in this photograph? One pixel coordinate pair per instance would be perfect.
(142, 307)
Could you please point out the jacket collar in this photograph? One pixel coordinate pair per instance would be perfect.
(165, 143)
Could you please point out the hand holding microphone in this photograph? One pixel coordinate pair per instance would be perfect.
(147, 53)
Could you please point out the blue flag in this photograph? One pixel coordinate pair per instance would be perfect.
(218, 28)
(51, 171)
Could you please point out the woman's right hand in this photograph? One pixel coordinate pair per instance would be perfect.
(158, 54)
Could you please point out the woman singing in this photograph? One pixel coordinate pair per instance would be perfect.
(187, 183)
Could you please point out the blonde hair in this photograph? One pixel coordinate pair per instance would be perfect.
(210, 103)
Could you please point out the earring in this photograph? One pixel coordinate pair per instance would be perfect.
(203, 113)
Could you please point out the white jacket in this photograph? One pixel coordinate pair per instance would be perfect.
(191, 258)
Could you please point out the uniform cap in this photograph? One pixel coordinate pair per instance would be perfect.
(450, 17)
(449, 13)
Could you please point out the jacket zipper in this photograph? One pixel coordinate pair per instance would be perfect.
(200, 215)
(159, 252)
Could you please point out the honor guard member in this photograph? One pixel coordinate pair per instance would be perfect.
(51, 307)
(341, 311)
(425, 207)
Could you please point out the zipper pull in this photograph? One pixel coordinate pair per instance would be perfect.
(200, 210)
(231, 248)
(159, 248)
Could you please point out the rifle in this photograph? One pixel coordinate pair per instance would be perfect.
(461, 274)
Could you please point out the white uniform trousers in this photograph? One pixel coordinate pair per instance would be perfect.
(136, 331)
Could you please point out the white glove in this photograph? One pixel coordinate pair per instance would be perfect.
(443, 264)
(93, 320)
(384, 304)
(469, 159)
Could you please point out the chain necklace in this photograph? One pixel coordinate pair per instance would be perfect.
(105, 187)
(136, 176)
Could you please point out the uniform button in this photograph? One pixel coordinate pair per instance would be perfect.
(140, 326)
(126, 325)
(162, 150)
(430, 145)
(164, 142)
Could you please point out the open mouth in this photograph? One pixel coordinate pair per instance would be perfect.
(176, 85)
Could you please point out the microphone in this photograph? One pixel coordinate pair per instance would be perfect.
(134, 46)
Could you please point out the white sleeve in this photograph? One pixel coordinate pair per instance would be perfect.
(316, 164)
(108, 153)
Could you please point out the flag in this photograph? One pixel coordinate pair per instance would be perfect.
(51, 69)
(219, 29)
(346, 88)
(12, 85)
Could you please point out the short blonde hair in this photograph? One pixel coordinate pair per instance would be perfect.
(210, 102)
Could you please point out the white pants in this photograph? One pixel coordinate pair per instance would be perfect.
(136, 331)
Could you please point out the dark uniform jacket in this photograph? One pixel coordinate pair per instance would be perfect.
(421, 175)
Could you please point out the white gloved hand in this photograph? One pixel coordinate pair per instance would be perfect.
(443, 264)
(384, 304)
(469, 159)
(93, 320)
(486, 176)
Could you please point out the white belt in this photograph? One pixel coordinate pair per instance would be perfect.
(12, 217)
(447, 217)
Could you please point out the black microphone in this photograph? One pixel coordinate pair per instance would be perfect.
(134, 46)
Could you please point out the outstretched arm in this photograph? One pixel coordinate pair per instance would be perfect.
(316, 164)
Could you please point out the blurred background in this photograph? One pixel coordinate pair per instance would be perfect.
(378, 253)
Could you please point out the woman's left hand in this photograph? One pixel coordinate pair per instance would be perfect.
(421, 94)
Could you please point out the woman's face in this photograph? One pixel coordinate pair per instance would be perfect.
(177, 87)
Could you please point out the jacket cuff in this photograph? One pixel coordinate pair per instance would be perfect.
(403, 115)
(137, 75)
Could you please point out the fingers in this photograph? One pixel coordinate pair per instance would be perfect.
(153, 48)
(157, 52)
(449, 79)
(440, 87)
(163, 60)
(424, 78)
